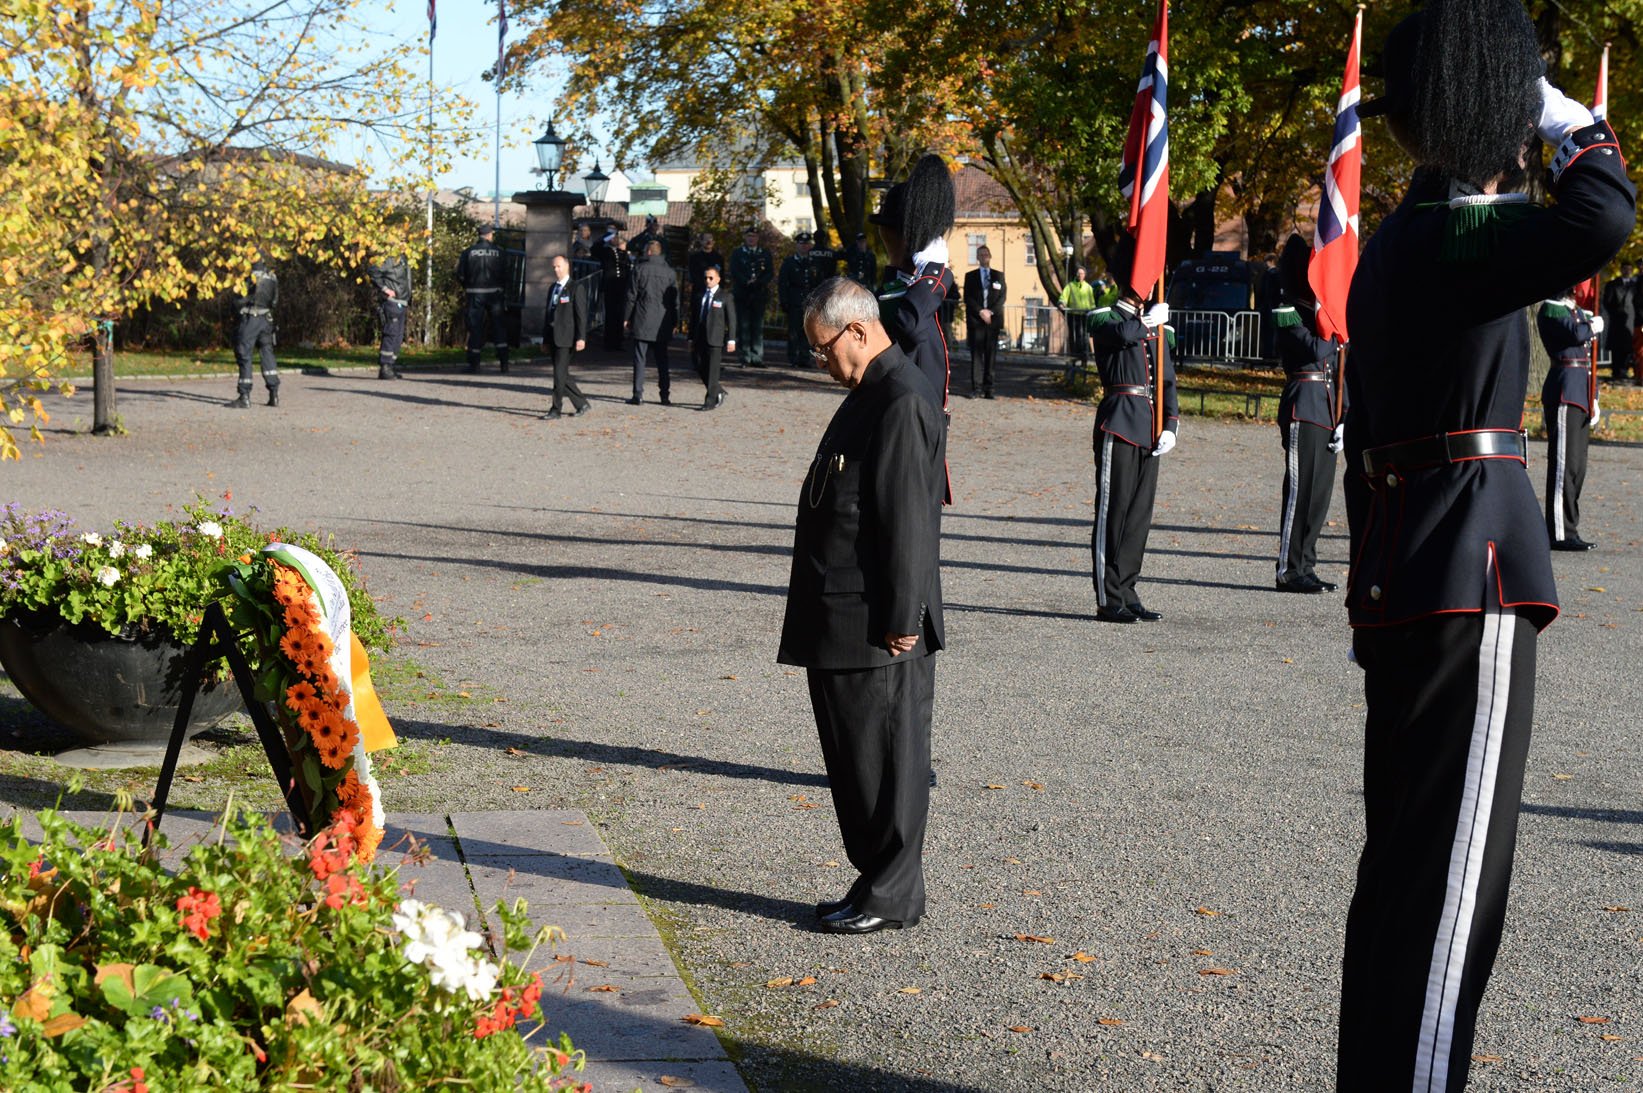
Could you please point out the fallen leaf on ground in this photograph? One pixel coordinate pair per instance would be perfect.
(1594, 1020)
(1606, 1036)
(829, 1004)
(1617, 908)
(1202, 952)
(1040, 940)
(908, 990)
(571, 823)
(1217, 971)
(806, 981)
(514, 751)
(192, 778)
(987, 906)
(805, 805)
(1060, 977)
(992, 785)
(730, 677)
(606, 989)
(1150, 1055)
(1486, 1058)
(1082, 957)
(521, 789)
(1563, 777)
(1207, 911)
(673, 1082)
(1021, 1028)
(1031, 892)
(831, 864)
(704, 1019)
(1013, 861)
(1032, 785)
(597, 963)
(784, 981)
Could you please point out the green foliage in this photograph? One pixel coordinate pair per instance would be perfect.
(249, 967)
(139, 580)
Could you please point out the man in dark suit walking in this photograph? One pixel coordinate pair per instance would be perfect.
(864, 603)
(653, 312)
(983, 319)
(565, 332)
(712, 334)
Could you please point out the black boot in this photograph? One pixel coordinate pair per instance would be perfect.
(243, 402)
(502, 359)
(273, 396)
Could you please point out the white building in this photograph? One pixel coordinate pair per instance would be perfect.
(780, 192)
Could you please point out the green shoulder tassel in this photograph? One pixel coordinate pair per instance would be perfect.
(1285, 317)
(1472, 232)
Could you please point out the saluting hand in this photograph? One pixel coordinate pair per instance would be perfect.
(900, 643)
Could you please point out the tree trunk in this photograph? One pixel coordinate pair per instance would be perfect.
(812, 174)
(835, 210)
(1046, 240)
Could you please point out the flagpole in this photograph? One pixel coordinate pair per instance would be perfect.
(428, 291)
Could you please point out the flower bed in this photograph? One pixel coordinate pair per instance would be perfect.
(253, 968)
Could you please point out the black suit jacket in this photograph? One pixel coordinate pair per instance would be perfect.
(568, 322)
(653, 300)
(972, 301)
(867, 543)
(720, 326)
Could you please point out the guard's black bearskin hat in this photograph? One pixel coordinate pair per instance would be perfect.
(1292, 264)
(929, 203)
(1473, 90)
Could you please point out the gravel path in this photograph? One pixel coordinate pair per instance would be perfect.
(1174, 807)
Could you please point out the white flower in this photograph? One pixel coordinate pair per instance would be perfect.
(4, 549)
(116, 549)
(91, 538)
(108, 575)
(210, 528)
(440, 941)
(141, 553)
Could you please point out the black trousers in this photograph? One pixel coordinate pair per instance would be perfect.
(487, 324)
(1620, 352)
(1126, 479)
(393, 333)
(1309, 478)
(708, 359)
(1450, 699)
(1566, 435)
(875, 739)
(642, 351)
(798, 345)
(614, 294)
(983, 351)
(254, 336)
(750, 327)
(562, 383)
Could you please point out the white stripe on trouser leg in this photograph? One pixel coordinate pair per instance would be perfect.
(1449, 950)
(1294, 464)
(1103, 498)
(1562, 469)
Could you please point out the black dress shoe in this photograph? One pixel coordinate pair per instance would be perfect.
(1143, 614)
(1572, 543)
(848, 920)
(831, 907)
(664, 401)
(584, 410)
(1116, 614)
(988, 394)
(1323, 585)
(1299, 584)
(552, 415)
(636, 401)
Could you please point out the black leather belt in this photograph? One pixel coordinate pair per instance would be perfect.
(1310, 377)
(1445, 448)
(1126, 389)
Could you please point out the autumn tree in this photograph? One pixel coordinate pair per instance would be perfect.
(151, 150)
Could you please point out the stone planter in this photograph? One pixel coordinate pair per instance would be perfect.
(106, 689)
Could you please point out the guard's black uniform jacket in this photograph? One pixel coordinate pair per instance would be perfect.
(908, 307)
(1566, 332)
(480, 268)
(866, 548)
(1309, 369)
(1121, 357)
(1434, 352)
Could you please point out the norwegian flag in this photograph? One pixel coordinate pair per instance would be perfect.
(501, 39)
(433, 21)
(1335, 242)
(1144, 174)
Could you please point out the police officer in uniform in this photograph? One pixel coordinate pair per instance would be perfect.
(1451, 577)
(1126, 451)
(479, 272)
(1571, 413)
(1307, 426)
(751, 269)
(255, 334)
(391, 275)
(862, 265)
(615, 270)
(801, 272)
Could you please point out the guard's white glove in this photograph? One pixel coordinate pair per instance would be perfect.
(1155, 316)
(1337, 440)
(1596, 323)
(1166, 441)
(1597, 413)
(936, 252)
(1559, 115)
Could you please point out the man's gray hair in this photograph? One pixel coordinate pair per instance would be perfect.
(838, 301)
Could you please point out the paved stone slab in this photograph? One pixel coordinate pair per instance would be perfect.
(645, 1023)
(619, 1076)
(625, 956)
(519, 834)
(550, 880)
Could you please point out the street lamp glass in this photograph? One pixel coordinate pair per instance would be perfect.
(550, 150)
(596, 184)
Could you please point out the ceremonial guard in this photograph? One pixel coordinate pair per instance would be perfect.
(712, 334)
(565, 332)
(862, 265)
(752, 268)
(615, 271)
(391, 276)
(801, 272)
(255, 334)
(864, 614)
(916, 277)
(1451, 578)
(1308, 425)
(1126, 451)
(1570, 407)
(479, 272)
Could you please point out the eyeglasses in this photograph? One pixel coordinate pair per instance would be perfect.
(819, 352)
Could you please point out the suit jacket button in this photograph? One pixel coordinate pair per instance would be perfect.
(1375, 592)
(1391, 480)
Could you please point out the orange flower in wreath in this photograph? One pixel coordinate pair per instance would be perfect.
(301, 694)
(292, 644)
(312, 719)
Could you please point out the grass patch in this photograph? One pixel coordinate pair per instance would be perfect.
(135, 362)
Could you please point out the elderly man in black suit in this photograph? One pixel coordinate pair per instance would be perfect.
(564, 333)
(864, 603)
(983, 319)
(653, 312)
(712, 334)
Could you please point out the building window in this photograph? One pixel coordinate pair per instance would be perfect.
(972, 242)
(1034, 307)
(804, 224)
(801, 187)
(1031, 257)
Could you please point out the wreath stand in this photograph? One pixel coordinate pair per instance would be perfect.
(217, 641)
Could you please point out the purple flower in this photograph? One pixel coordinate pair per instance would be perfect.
(7, 1029)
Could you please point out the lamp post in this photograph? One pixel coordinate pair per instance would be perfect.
(1067, 253)
(550, 153)
(596, 184)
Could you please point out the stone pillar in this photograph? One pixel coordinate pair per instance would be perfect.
(547, 233)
